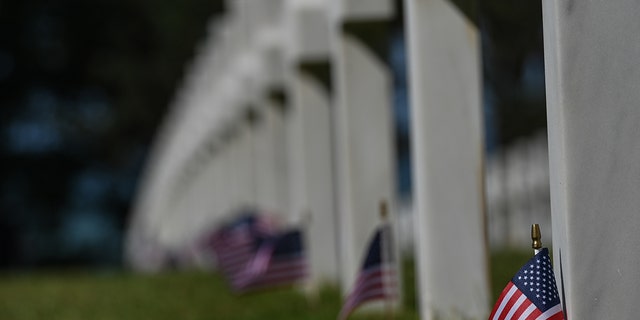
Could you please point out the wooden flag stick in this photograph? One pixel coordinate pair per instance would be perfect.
(536, 237)
(383, 211)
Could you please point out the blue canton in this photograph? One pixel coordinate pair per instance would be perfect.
(537, 282)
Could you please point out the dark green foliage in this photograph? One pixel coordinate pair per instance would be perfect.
(512, 59)
(505, 264)
(83, 87)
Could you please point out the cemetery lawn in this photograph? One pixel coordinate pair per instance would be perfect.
(79, 295)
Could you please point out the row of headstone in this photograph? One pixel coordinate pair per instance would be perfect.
(288, 108)
(291, 112)
(517, 192)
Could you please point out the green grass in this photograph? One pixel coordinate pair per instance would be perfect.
(504, 265)
(187, 295)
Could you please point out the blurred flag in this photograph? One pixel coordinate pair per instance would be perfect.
(235, 243)
(531, 293)
(377, 278)
(279, 260)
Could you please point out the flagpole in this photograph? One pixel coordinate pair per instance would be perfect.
(536, 237)
(385, 247)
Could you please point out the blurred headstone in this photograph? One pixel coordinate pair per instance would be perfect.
(444, 64)
(272, 179)
(310, 130)
(364, 125)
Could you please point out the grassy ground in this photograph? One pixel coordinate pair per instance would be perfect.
(190, 295)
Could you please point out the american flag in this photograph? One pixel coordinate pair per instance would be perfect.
(235, 243)
(377, 277)
(531, 293)
(279, 260)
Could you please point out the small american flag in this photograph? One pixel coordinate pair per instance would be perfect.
(531, 293)
(235, 243)
(377, 277)
(279, 260)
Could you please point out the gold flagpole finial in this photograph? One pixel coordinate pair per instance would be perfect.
(536, 237)
(383, 210)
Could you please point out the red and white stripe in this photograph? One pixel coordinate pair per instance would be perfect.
(514, 305)
(374, 284)
(280, 271)
(233, 251)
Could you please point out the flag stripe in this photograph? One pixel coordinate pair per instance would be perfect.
(374, 276)
(515, 305)
(553, 313)
(535, 314)
(274, 279)
(523, 307)
(373, 286)
(277, 266)
(350, 306)
(527, 312)
(370, 295)
(276, 270)
(280, 279)
(376, 280)
(506, 294)
(279, 260)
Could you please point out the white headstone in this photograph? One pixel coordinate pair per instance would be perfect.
(447, 147)
(592, 49)
(271, 183)
(248, 70)
(364, 127)
(273, 187)
(310, 144)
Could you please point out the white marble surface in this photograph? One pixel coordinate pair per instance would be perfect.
(272, 165)
(593, 107)
(246, 168)
(344, 10)
(307, 30)
(447, 161)
(271, 161)
(311, 176)
(312, 181)
(264, 161)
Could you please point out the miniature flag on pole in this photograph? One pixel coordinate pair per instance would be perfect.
(531, 293)
(376, 279)
(279, 260)
(235, 242)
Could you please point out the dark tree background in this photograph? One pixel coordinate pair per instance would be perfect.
(83, 87)
(513, 65)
